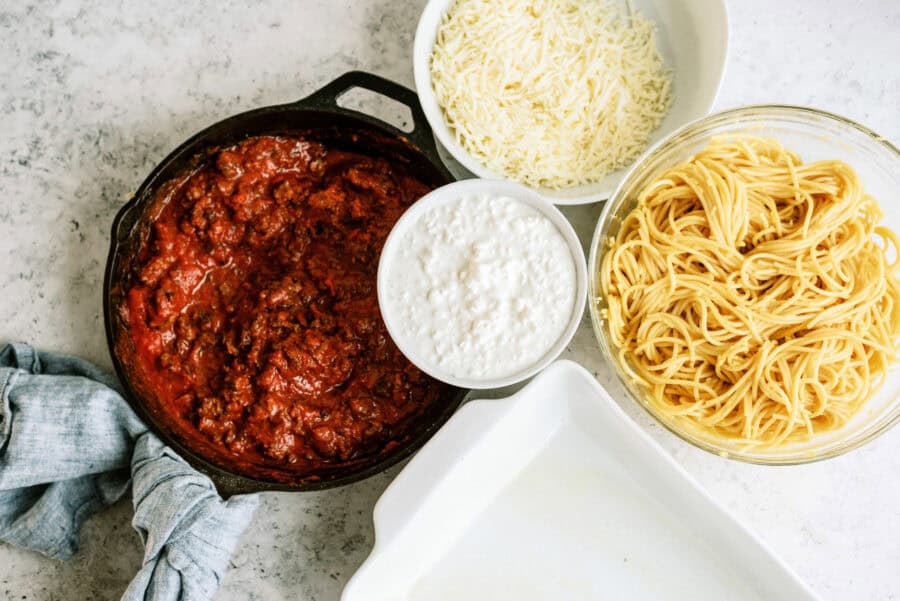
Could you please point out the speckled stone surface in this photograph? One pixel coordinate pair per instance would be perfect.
(92, 95)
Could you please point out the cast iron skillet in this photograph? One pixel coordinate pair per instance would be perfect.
(317, 116)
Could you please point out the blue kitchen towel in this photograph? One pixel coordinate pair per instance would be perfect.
(67, 441)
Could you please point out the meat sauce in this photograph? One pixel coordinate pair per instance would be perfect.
(253, 309)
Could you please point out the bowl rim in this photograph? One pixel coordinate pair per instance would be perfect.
(423, 45)
(446, 194)
(757, 111)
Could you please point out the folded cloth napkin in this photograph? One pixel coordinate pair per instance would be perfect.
(67, 439)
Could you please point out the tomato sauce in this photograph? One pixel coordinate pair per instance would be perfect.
(253, 310)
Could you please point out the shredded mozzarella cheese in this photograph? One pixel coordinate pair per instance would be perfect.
(552, 93)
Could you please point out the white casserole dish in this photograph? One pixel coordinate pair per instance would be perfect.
(692, 38)
(555, 494)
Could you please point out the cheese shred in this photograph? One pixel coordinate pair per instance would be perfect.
(551, 93)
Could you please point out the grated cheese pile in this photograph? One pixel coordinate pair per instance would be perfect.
(552, 93)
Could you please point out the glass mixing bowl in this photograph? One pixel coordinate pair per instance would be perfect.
(814, 135)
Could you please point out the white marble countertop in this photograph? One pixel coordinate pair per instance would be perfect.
(93, 95)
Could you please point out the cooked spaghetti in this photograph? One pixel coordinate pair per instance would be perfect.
(754, 295)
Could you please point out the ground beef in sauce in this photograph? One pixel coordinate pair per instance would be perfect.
(253, 309)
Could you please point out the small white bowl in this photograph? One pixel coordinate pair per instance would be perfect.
(692, 36)
(451, 193)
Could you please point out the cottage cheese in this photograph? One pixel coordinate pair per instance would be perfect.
(481, 287)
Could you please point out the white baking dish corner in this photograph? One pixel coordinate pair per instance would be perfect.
(555, 494)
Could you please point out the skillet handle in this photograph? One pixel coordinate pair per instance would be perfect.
(327, 97)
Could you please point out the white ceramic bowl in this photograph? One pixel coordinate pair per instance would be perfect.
(692, 38)
(453, 192)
